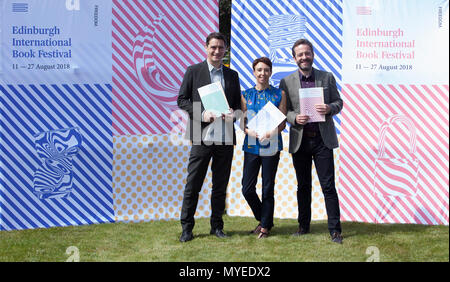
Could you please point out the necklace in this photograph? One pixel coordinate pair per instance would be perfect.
(261, 91)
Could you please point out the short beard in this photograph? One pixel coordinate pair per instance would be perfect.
(307, 69)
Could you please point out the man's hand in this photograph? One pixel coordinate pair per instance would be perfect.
(208, 116)
(323, 109)
(301, 119)
(228, 117)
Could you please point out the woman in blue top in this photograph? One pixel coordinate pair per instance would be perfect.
(261, 150)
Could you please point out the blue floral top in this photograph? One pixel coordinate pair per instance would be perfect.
(256, 100)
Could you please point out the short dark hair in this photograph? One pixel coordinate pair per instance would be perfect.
(300, 42)
(216, 35)
(264, 60)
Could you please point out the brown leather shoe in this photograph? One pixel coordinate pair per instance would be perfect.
(264, 233)
(257, 229)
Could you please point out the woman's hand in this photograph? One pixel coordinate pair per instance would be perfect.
(251, 133)
(268, 135)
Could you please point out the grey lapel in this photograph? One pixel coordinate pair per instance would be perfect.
(295, 83)
(295, 80)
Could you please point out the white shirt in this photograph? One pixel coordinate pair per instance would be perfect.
(216, 74)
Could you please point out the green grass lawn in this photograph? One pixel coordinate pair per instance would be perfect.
(157, 241)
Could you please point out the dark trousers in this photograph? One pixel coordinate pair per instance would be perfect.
(200, 156)
(262, 209)
(314, 149)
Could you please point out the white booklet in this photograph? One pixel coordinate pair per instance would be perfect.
(213, 98)
(308, 98)
(267, 119)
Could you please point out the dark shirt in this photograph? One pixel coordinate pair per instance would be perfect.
(309, 82)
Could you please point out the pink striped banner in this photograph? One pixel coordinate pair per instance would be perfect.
(153, 44)
(395, 154)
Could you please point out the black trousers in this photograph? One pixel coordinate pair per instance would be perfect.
(262, 209)
(313, 148)
(199, 159)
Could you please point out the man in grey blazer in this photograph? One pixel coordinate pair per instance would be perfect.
(220, 148)
(313, 140)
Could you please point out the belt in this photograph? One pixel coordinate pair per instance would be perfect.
(311, 134)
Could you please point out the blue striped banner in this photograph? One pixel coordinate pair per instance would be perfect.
(270, 28)
(26, 110)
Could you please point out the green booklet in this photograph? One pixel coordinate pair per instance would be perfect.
(213, 98)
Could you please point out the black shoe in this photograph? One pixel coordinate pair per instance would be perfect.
(186, 236)
(218, 232)
(301, 231)
(336, 237)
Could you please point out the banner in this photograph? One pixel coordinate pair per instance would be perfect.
(88, 109)
(270, 28)
(395, 124)
(153, 44)
(55, 111)
(394, 42)
(87, 87)
(56, 42)
(390, 60)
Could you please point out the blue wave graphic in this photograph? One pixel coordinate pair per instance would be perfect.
(56, 148)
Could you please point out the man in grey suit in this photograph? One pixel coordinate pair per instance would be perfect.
(220, 148)
(313, 140)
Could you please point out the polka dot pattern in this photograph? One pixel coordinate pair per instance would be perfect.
(149, 175)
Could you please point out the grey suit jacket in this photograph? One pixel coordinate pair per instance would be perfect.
(291, 85)
(195, 77)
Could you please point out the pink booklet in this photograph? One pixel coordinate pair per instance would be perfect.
(309, 97)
